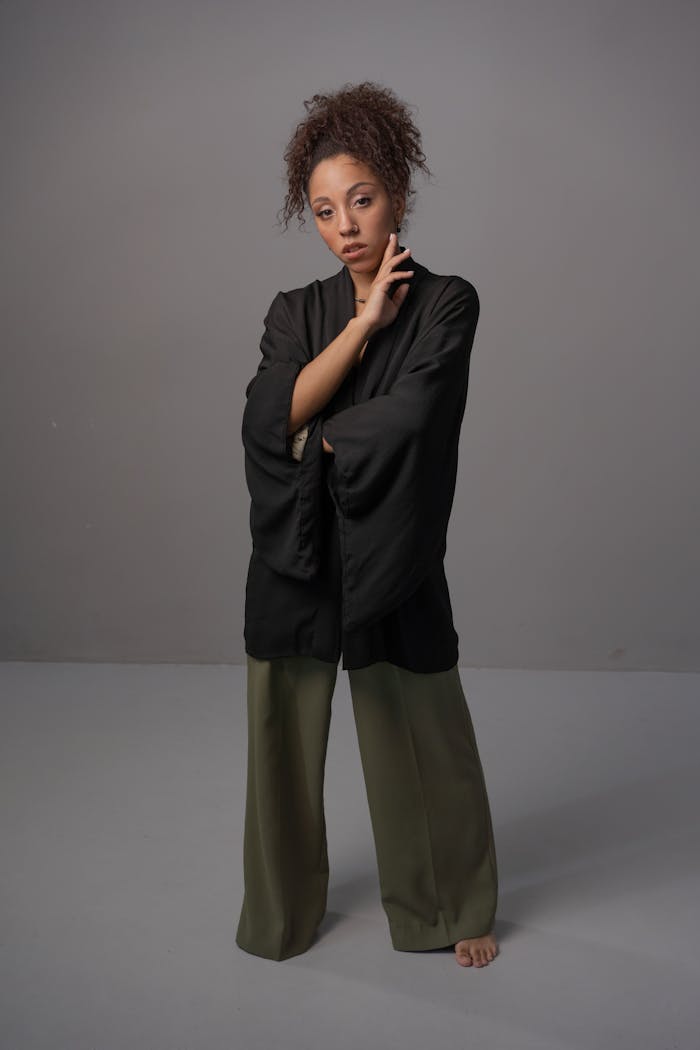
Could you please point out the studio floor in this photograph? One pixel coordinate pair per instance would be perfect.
(121, 806)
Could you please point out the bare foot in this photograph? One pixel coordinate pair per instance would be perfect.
(476, 951)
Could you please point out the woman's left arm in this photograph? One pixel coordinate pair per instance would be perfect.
(395, 462)
(409, 425)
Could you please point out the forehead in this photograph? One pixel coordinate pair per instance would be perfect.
(335, 175)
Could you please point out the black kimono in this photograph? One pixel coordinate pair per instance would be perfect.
(348, 547)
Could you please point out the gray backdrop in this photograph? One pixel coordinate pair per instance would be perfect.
(141, 176)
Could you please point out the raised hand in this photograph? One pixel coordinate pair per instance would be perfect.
(380, 310)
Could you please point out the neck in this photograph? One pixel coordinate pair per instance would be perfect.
(362, 284)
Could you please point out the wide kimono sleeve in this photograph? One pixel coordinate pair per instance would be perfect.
(395, 463)
(285, 492)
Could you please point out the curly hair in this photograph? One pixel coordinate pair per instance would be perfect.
(368, 122)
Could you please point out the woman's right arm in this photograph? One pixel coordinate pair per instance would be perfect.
(318, 380)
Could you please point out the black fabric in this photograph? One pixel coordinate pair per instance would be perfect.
(348, 548)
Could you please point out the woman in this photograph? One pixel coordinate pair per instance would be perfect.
(350, 431)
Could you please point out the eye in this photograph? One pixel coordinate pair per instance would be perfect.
(323, 214)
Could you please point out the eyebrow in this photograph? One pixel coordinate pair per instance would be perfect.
(353, 187)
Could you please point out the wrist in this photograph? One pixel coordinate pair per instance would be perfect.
(363, 328)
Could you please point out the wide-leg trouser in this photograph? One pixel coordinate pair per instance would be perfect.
(428, 804)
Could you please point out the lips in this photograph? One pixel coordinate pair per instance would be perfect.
(353, 247)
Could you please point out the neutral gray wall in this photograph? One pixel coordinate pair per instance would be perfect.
(141, 175)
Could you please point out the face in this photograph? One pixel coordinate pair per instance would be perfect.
(350, 205)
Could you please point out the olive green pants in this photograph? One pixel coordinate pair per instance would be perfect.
(427, 798)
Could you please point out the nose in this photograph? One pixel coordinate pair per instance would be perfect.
(345, 223)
